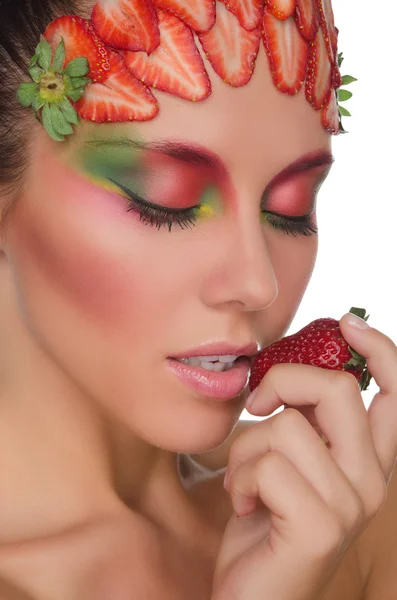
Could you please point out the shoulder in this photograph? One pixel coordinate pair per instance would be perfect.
(377, 549)
(218, 457)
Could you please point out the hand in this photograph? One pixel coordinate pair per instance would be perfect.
(300, 503)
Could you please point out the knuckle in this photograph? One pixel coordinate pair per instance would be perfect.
(377, 500)
(330, 536)
(289, 418)
(355, 513)
(345, 382)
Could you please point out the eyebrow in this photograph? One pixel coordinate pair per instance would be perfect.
(182, 151)
(307, 162)
(195, 155)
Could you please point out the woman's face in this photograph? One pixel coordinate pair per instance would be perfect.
(109, 296)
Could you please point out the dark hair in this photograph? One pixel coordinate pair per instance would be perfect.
(21, 23)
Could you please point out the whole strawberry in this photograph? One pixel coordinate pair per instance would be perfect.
(320, 344)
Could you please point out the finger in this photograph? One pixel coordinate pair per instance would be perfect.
(290, 435)
(381, 354)
(379, 350)
(341, 415)
(294, 504)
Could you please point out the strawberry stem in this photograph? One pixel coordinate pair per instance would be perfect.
(357, 361)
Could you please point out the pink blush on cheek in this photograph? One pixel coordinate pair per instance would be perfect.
(74, 241)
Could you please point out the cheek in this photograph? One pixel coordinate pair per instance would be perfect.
(73, 246)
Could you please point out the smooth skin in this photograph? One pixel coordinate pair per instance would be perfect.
(300, 504)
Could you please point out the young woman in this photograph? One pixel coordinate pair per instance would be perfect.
(158, 230)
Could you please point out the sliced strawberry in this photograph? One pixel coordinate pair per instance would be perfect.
(318, 79)
(80, 40)
(281, 9)
(176, 65)
(330, 115)
(127, 24)
(121, 98)
(287, 52)
(248, 12)
(230, 48)
(329, 29)
(307, 18)
(198, 14)
(336, 77)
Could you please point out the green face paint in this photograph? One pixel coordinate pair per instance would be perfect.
(129, 168)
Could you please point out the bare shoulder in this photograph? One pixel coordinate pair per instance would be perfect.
(218, 458)
(377, 549)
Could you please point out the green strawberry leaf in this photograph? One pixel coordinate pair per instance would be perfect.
(59, 57)
(69, 112)
(47, 122)
(36, 73)
(346, 79)
(44, 53)
(343, 111)
(27, 92)
(344, 95)
(37, 103)
(75, 94)
(59, 121)
(79, 81)
(33, 61)
(78, 67)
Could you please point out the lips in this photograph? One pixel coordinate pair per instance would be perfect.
(219, 349)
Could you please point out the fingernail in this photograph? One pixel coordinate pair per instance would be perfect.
(357, 322)
(251, 398)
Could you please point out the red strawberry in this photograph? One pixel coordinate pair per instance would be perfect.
(127, 24)
(307, 18)
(287, 52)
(320, 344)
(318, 78)
(248, 12)
(122, 98)
(230, 48)
(281, 9)
(80, 40)
(336, 77)
(198, 14)
(330, 115)
(328, 26)
(176, 65)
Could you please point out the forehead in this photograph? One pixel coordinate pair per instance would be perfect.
(249, 128)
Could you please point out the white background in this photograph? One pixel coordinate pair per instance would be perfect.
(357, 205)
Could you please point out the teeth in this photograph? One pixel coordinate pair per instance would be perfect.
(218, 366)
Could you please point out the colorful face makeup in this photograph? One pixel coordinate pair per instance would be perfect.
(166, 183)
(164, 51)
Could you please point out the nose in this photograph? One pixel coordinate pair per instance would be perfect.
(244, 276)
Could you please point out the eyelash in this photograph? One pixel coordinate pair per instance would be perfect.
(161, 217)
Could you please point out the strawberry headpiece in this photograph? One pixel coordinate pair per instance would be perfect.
(104, 69)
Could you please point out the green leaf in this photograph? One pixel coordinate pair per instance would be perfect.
(346, 79)
(79, 81)
(344, 112)
(37, 103)
(75, 94)
(36, 73)
(44, 54)
(344, 95)
(33, 61)
(59, 121)
(47, 122)
(78, 67)
(59, 57)
(27, 92)
(69, 112)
